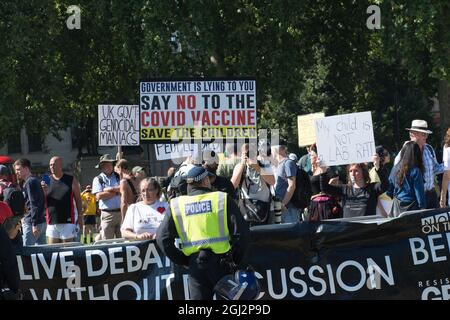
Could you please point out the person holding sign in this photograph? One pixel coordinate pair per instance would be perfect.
(360, 196)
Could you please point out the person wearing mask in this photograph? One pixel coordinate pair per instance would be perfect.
(211, 230)
(144, 217)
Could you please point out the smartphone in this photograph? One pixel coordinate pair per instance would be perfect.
(46, 179)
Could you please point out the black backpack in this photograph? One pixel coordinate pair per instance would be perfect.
(15, 200)
(302, 194)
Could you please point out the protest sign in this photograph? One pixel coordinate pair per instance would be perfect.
(306, 130)
(401, 258)
(345, 139)
(118, 125)
(197, 109)
(165, 151)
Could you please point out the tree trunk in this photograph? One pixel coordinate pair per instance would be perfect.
(444, 105)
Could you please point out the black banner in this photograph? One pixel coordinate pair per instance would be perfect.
(368, 258)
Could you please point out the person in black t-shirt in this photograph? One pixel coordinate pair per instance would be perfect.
(359, 195)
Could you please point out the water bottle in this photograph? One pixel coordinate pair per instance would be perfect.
(277, 209)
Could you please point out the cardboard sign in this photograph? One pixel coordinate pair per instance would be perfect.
(165, 151)
(306, 131)
(118, 125)
(345, 139)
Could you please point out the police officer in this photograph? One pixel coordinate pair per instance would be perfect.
(210, 228)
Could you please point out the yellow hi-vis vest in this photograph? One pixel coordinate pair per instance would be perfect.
(201, 222)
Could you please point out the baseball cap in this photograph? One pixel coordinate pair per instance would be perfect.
(137, 169)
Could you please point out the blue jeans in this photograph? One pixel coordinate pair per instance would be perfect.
(29, 239)
(291, 215)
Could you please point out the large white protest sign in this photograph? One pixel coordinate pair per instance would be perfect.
(177, 110)
(345, 139)
(165, 151)
(305, 125)
(118, 125)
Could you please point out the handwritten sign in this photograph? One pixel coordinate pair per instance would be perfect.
(345, 139)
(118, 125)
(165, 151)
(306, 131)
(177, 110)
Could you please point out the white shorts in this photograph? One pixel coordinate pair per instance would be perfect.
(61, 231)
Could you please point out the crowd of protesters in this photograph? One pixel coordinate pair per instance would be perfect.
(124, 203)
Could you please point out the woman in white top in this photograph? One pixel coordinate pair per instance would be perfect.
(143, 218)
(446, 177)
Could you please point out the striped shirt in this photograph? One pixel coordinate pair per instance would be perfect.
(432, 167)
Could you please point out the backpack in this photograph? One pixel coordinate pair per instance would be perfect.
(254, 211)
(302, 194)
(15, 200)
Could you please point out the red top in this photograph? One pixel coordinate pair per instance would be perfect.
(5, 212)
(6, 160)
